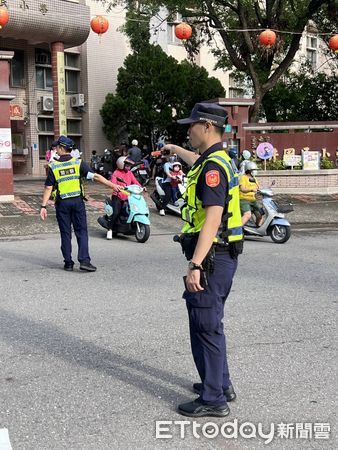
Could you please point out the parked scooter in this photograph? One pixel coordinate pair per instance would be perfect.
(275, 225)
(158, 195)
(134, 216)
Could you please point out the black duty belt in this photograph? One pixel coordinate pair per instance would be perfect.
(221, 248)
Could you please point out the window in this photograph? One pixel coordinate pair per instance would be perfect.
(45, 141)
(46, 135)
(74, 131)
(43, 69)
(74, 126)
(44, 78)
(72, 81)
(171, 36)
(312, 57)
(76, 140)
(17, 77)
(72, 60)
(72, 64)
(235, 92)
(311, 50)
(311, 42)
(46, 125)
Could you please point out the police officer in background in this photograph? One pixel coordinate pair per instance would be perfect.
(64, 177)
(211, 239)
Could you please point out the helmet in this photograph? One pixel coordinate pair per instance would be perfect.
(134, 142)
(120, 162)
(176, 163)
(246, 154)
(250, 166)
(232, 153)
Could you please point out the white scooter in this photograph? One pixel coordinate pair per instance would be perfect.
(275, 225)
(159, 194)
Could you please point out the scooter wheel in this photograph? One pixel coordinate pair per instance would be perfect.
(280, 234)
(142, 233)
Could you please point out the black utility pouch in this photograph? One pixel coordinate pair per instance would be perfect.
(236, 248)
(188, 243)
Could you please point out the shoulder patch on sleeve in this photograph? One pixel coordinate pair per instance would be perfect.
(212, 178)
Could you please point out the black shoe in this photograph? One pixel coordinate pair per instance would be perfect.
(198, 409)
(87, 266)
(68, 267)
(229, 393)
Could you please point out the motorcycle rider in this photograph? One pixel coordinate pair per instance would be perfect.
(248, 187)
(135, 152)
(124, 164)
(166, 185)
(246, 155)
(176, 177)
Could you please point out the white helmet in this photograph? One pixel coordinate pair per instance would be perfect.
(120, 162)
(176, 163)
(246, 154)
(134, 142)
(250, 166)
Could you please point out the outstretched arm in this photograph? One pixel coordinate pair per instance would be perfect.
(187, 156)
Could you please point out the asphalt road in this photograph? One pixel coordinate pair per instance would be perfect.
(91, 361)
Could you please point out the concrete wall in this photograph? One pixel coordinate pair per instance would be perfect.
(301, 181)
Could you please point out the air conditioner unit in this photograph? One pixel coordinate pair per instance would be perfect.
(77, 100)
(47, 103)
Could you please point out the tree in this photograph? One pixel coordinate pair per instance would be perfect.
(240, 49)
(153, 89)
(300, 97)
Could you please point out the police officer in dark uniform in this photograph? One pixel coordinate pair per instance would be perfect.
(64, 177)
(211, 239)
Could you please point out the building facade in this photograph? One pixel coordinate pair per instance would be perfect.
(45, 76)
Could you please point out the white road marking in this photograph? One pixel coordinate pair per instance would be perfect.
(4, 440)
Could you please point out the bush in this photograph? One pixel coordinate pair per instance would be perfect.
(275, 165)
(326, 163)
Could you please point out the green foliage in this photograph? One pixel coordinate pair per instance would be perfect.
(326, 163)
(153, 90)
(275, 165)
(302, 97)
(241, 49)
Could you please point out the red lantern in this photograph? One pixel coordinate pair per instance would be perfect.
(99, 25)
(4, 16)
(267, 38)
(183, 31)
(333, 43)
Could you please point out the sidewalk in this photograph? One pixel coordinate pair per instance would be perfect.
(309, 210)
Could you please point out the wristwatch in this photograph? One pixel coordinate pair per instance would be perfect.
(193, 266)
(43, 206)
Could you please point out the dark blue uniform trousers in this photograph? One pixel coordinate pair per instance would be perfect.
(72, 211)
(206, 312)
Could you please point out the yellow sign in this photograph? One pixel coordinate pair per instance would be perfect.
(62, 93)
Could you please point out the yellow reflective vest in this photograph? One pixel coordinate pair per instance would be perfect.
(67, 177)
(194, 214)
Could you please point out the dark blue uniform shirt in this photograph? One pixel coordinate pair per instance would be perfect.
(84, 169)
(211, 193)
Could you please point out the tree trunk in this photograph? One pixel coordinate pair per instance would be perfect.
(254, 109)
(269, 108)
